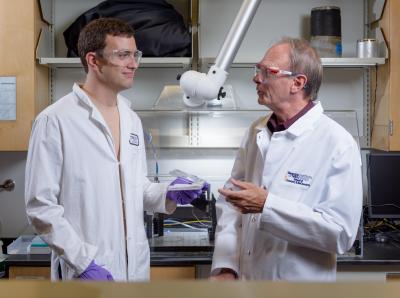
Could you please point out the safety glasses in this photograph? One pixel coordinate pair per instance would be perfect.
(122, 57)
(270, 72)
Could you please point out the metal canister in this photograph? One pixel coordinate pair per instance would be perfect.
(367, 48)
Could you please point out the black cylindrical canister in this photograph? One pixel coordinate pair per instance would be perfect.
(326, 31)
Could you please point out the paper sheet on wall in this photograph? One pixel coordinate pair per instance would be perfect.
(8, 98)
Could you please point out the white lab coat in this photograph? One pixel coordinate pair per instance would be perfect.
(73, 189)
(313, 174)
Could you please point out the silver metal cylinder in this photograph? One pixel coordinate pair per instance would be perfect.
(236, 34)
(367, 48)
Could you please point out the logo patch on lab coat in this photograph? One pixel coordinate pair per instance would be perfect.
(300, 179)
(134, 139)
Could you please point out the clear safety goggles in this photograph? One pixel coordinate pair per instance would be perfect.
(122, 57)
(272, 71)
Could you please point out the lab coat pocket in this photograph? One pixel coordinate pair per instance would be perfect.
(132, 166)
(289, 191)
(134, 150)
(295, 186)
(131, 149)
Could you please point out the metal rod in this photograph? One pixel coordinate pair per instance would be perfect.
(236, 34)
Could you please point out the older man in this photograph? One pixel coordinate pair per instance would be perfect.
(295, 194)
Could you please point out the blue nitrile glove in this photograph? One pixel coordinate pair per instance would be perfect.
(184, 197)
(95, 272)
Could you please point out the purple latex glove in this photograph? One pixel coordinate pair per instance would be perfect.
(184, 197)
(95, 272)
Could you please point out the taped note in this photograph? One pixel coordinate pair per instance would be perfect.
(8, 98)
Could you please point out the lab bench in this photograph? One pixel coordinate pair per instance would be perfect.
(380, 262)
(189, 255)
(176, 255)
(171, 265)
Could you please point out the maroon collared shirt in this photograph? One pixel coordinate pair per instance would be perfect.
(274, 126)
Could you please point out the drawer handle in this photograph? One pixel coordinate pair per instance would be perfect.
(8, 185)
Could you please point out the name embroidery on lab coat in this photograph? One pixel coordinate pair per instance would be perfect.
(297, 178)
(134, 139)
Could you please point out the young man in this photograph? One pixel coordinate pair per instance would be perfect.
(295, 194)
(86, 184)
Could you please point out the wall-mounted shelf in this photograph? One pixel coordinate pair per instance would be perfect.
(178, 62)
(326, 62)
(58, 14)
(215, 128)
(198, 129)
(352, 62)
(62, 62)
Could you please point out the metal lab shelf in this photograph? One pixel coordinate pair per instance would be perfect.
(215, 129)
(171, 62)
(326, 62)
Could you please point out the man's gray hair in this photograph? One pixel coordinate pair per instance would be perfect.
(304, 59)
